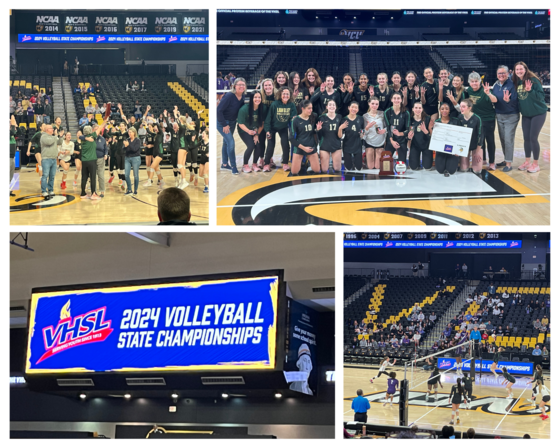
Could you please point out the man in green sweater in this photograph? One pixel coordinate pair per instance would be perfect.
(89, 159)
(484, 108)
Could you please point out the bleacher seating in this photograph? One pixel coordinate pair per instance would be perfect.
(163, 92)
(25, 83)
(201, 79)
(447, 36)
(241, 60)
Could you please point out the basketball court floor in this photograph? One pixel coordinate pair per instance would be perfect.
(365, 198)
(491, 412)
(29, 208)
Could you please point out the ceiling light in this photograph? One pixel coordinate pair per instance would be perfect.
(225, 395)
(174, 396)
(127, 396)
(83, 396)
(278, 395)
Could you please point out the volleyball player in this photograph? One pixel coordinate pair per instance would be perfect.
(155, 132)
(542, 406)
(312, 82)
(78, 158)
(267, 98)
(446, 164)
(538, 381)
(361, 93)
(383, 367)
(203, 159)
(509, 381)
(433, 381)
(392, 387)
(277, 122)
(330, 136)
(397, 120)
(456, 95)
(375, 133)
(326, 93)
(34, 147)
(396, 80)
(184, 127)
(120, 135)
(382, 91)
(468, 382)
(456, 397)
(149, 153)
(174, 145)
(459, 352)
(250, 123)
(299, 91)
(533, 108)
(347, 86)
(353, 131)
(495, 360)
(411, 90)
(65, 151)
(419, 139)
(280, 80)
(191, 138)
(429, 94)
(470, 120)
(303, 138)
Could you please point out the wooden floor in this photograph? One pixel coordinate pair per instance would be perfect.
(514, 198)
(490, 411)
(28, 207)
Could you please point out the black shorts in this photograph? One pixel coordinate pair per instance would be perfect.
(457, 400)
(149, 151)
(546, 398)
(202, 158)
(77, 156)
(34, 150)
(301, 152)
(512, 382)
(330, 151)
(69, 162)
(430, 110)
(432, 382)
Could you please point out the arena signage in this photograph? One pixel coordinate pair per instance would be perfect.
(202, 325)
(494, 244)
(109, 39)
(46, 24)
(519, 368)
(352, 34)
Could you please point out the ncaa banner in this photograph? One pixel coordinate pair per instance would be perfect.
(520, 368)
(203, 325)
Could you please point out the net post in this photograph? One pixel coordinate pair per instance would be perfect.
(403, 403)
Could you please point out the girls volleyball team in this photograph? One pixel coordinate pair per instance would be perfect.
(319, 124)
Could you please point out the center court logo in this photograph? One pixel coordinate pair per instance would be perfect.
(73, 332)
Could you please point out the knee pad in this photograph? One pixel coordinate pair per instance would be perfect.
(180, 166)
(65, 172)
(195, 165)
(205, 176)
(158, 172)
(188, 164)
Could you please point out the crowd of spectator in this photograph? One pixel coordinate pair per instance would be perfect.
(37, 108)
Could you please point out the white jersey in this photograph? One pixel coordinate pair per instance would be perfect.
(372, 138)
(383, 366)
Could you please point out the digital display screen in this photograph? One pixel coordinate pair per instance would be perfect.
(433, 240)
(193, 325)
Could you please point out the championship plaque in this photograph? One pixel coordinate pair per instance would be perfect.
(386, 164)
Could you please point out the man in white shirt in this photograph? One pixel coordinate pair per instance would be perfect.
(421, 317)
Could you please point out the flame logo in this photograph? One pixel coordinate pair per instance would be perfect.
(65, 311)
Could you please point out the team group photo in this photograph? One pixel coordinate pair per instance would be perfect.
(371, 117)
(98, 133)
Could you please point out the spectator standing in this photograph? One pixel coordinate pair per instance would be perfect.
(465, 270)
(360, 406)
(137, 110)
(49, 154)
(102, 151)
(13, 106)
(227, 112)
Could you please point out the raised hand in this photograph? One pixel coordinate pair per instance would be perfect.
(370, 125)
(410, 134)
(200, 112)
(528, 85)
(507, 96)
(342, 88)
(417, 89)
(450, 95)
(148, 108)
(319, 125)
(487, 88)
(405, 91)
(323, 87)
(351, 87)
(423, 128)
(344, 125)
(423, 90)
(371, 91)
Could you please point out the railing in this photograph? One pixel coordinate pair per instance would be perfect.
(196, 69)
(197, 88)
(64, 103)
(124, 69)
(34, 69)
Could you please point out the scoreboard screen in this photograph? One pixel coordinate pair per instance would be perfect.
(440, 240)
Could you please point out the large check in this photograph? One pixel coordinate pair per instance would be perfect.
(451, 139)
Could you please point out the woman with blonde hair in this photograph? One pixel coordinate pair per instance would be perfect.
(267, 97)
(280, 80)
(65, 151)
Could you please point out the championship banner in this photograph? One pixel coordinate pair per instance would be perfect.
(300, 369)
(490, 244)
(520, 368)
(202, 325)
(110, 39)
(451, 139)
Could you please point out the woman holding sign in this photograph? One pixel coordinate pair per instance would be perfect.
(419, 138)
(469, 120)
(446, 164)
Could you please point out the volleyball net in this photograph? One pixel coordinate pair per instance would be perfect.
(254, 59)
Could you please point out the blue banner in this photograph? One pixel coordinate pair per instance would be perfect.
(520, 368)
(111, 39)
(494, 244)
(207, 325)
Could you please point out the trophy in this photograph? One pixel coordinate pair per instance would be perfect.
(386, 164)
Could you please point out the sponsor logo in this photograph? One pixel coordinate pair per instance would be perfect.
(352, 34)
(100, 39)
(106, 21)
(76, 20)
(73, 332)
(449, 244)
(136, 21)
(25, 38)
(128, 29)
(172, 38)
(514, 244)
(194, 21)
(47, 20)
(448, 148)
(389, 244)
(166, 20)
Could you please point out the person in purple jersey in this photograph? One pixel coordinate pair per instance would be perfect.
(459, 352)
(222, 85)
(392, 387)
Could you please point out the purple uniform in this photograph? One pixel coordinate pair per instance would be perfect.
(462, 340)
(392, 386)
(222, 84)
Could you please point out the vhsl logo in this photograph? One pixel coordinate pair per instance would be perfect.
(514, 244)
(69, 333)
(449, 244)
(25, 38)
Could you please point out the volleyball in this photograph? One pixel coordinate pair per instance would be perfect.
(400, 168)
